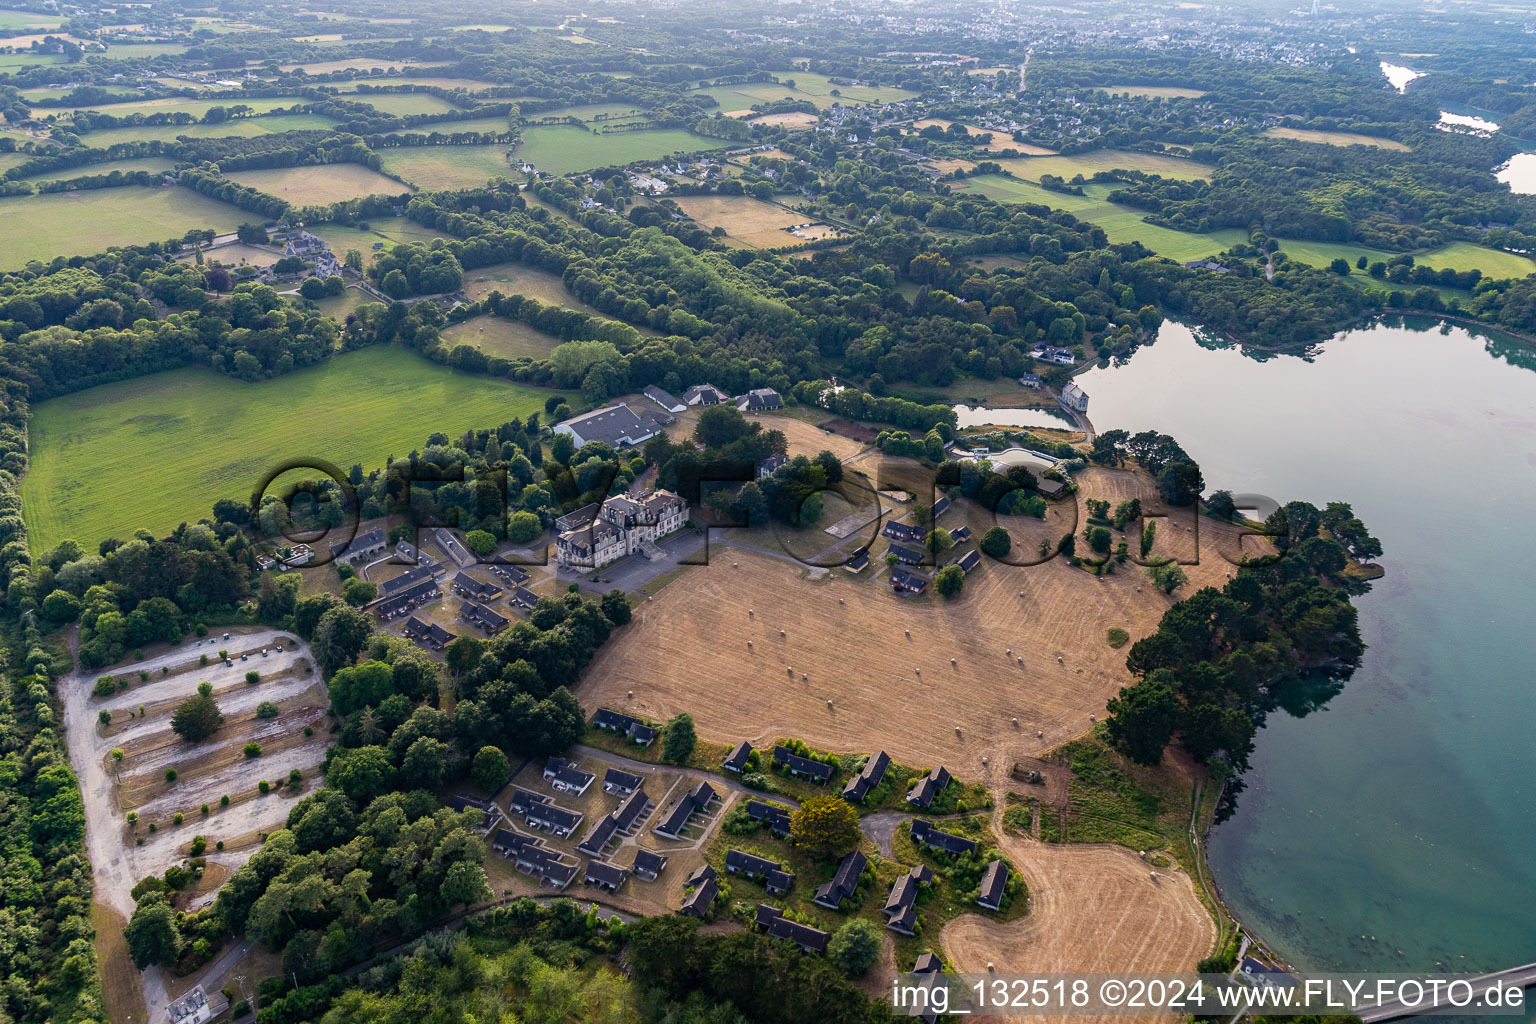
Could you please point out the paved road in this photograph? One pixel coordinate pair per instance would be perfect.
(1524, 976)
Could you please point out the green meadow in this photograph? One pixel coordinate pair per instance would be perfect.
(242, 127)
(402, 103)
(389, 230)
(448, 167)
(81, 223)
(147, 163)
(175, 105)
(808, 86)
(495, 336)
(159, 450)
(1095, 160)
(562, 149)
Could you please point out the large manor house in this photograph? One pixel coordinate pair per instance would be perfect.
(599, 535)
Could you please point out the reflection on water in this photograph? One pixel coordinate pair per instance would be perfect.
(1453, 122)
(1399, 76)
(1520, 173)
(1391, 828)
(985, 416)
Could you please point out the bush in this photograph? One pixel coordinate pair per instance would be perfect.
(266, 709)
(170, 775)
(253, 750)
(253, 676)
(177, 819)
(1117, 637)
(104, 717)
(295, 777)
(205, 809)
(106, 686)
(855, 946)
(263, 787)
(224, 800)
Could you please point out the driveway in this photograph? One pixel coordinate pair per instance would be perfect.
(632, 573)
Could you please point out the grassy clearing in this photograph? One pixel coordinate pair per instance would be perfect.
(471, 84)
(329, 183)
(1095, 160)
(140, 51)
(148, 163)
(389, 230)
(12, 62)
(11, 20)
(157, 450)
(517, 279)
(1120, 223)
(1457, 256)
(562, 149)
(474, 124)
(495, 336)
(448, 167)
(591, 111)
(243, 127)
(1335, 138)
(403, 103)
(1166, 92)
(751, 221)
(338, 306)
(81, 223)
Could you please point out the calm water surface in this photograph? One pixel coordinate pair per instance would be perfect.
(1397, 826)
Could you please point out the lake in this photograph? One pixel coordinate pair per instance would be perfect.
(1519, 173)
(1393, 828)
(1028, 417)
(1399, 76)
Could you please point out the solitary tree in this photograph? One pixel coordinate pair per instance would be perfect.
(197, 718)
(950, 581)
(995, 543)
(358, 592)
(826, 826)
(481, 542)
(490, 769)
(152, 935)
(679, 739)
(1167, 576)
(855, 946)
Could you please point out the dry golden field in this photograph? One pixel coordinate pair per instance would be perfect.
(749, 221)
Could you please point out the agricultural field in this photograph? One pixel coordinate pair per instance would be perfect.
(54, 92)
(518, 279)
(590, 112)
(1087, 164)
(141, 51)
(474, 124)
(1335, 138)
(1458, 256)
(15, 20)
(691, 640)
(471, 84)
(792, 119)
(747, 220)
(448, 167)
(147, 163)
(177, 105)
(1120, 223)
(402, 103)
(320, 184)
(9, 160)
(81, 223)
(808, 86)
(12, 62)
(562, 149)
(496, 336)
(201, 436)
(1163, 92)
(243, 127)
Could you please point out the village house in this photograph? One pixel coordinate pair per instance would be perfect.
(487, 619)
(564, 776)
(194, 1008)
(474, 588)
(617, 426)
(924, 832)
(907, 582)
(772, 920)
(705, 889)
(361, 548)
(664, 399)
(1073, 397)
(908, 556)
(929, 786)
(392, 606)
(530, 856)
(901, 905)
(698, 800)
(816, 771)
(843, 884)
(605, 876)
(620, 782)
(771, 465)
(873, 774)
(523, 598)
(859, 562)
(1053, 354)
(625, 725)
(428, 634)
(776, 818)
(704, 394)
(623, 525)
(903, 531)
(994, 881)
(968, 561)
(758, 400)
(649, 865)
(750, 865)
(736, 760)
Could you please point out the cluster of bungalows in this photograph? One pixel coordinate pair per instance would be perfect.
(625, 725)
(407, 592)
(760, 869)
(696, 801)
(565, 777)
(907, 582)
(541, 814)
(511, 575)
(490, 816)
(427, 633)
(475, 588)
(994, 879)
(486, 618)
(775, 817)
(530, 856)
(802, 767)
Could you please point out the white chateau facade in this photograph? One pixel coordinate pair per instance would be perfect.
(621, 527)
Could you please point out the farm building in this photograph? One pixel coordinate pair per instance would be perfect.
(617, 426)
(663, 399)
(704, 394)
